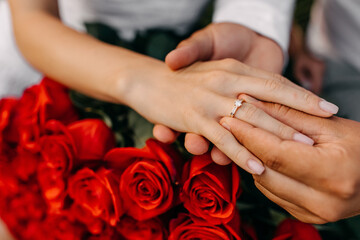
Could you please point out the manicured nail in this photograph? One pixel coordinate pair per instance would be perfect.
(255, 166)
(299, 137)
(225, 125)
(328, 107)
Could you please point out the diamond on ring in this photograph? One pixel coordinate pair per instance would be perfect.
(237, 104)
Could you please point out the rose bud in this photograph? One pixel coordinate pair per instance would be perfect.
(92, 138)
(97, 192)
(57, 147)
(54, 102)
(148, 178)
(209, 190)
(40, 103)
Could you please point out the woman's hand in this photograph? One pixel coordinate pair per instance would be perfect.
(195, 98)
(219, 41)
(316, 184)
(215, 42)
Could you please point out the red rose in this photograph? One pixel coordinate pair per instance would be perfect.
(92, 138)
(209, 190)
(148, 178)
(53, 187)
(60, 227)
(185, 227)
(6, 110)
(107, 234)
(97, 192)
(45, 101)
(38, 104)
(9, 183)
(53, 102)
(94, 224)
(291, 229)
(57, 147)
(132, 229)
(24, 164)
(23, 207)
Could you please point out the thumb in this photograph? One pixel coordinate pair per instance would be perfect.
(199, 47)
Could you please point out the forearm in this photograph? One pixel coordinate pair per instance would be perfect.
(75, 59)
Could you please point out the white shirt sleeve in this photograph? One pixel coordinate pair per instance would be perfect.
(270, 18)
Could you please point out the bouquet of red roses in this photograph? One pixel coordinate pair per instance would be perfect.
(62, 177)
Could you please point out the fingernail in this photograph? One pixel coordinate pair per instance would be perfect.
(225, 125)
(299, 137)
(328, 107)
(255, 166)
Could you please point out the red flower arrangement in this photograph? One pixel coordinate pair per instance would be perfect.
(62, 177)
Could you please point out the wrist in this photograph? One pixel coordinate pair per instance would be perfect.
(133, 84)
(266, 54)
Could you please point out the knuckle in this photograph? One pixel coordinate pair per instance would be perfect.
(214, 78)
(229, 63)
(241, 155)
(279, 78)
(281, 109)
(259, 181)
(272, 85)
(331, 213)
(346, 189)
(249, 111)
(272, 160)
(316, 220)
(283, 131)
(219, 138)
(308, 98)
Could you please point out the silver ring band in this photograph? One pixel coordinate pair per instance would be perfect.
(237, 104)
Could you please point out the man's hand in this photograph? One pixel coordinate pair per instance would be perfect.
(309, 71)
(220, 41)
(316, 184)
(227, 40)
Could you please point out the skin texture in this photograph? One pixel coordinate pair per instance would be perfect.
(192, 99)
(316, 184)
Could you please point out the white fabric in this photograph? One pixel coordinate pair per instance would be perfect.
(334, 30)
(271, 18)
(15, 73)
(124, 15)
(129, 16)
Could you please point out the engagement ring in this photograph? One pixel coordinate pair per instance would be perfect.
(237, 104)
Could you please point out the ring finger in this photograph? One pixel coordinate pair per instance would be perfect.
(258, 118)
